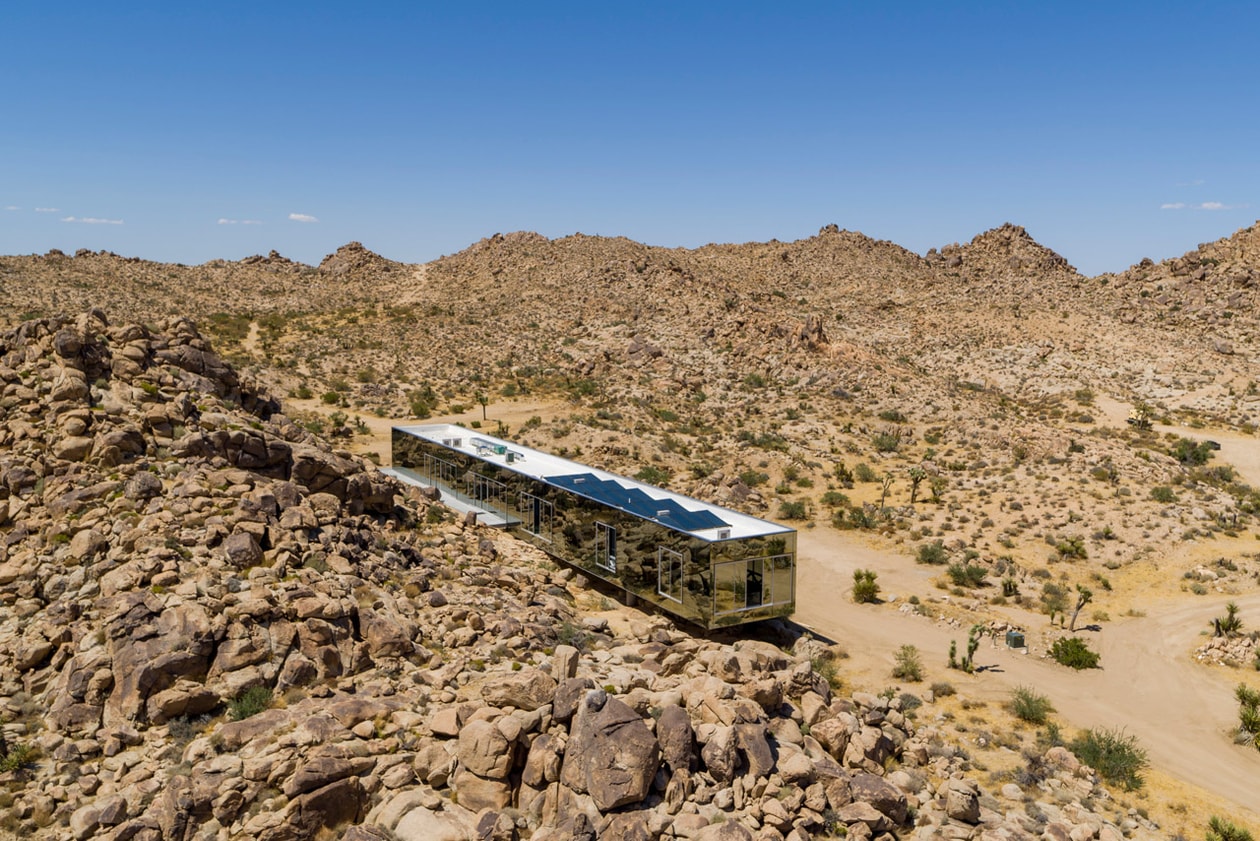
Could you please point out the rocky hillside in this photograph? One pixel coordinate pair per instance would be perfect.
(215, 626)
(791, 377)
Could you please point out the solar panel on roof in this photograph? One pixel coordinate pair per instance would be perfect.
(637, 502)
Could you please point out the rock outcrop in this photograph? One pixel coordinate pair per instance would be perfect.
(213, 626)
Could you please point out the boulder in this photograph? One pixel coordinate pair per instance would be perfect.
(484, 750)
(527, 690)
(673, 731)
(881, 794)
(611, 753)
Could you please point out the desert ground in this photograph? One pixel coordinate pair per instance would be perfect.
(1182, 711)
(957, 423)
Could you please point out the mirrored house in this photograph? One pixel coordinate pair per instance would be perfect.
(709, 565)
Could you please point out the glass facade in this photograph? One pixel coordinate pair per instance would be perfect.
(711, 583)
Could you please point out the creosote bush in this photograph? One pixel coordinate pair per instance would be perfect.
(1116, 757)
(1074, 652)
(932, 553)
(250, 702)
(1029, 705)
(908, 665)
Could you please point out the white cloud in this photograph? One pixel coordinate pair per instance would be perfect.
(302, 217)
(11, 207)
(1172, 205)
(239, 222)
(91, 220)
(1213, 205)
(48, 210)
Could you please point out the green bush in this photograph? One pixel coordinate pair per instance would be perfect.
(653, 475)
(908, 665)
(1163, 494)
(250, 702)
(17, 757)
(753, 478)
(1072, 651)
(835, 499)
(825, 666)
(1029, 705)
(865, 589)
(966, 575)
(932, 553)
(1220, 829)
(887, 441)
(863, 472)
(1117, 758)
(1072, 547)
(793, 510)
(1190, 452)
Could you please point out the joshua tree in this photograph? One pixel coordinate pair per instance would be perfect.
(1229, 624)
(483, 399)
(883, 495)
(917, 475)
(1083, 597)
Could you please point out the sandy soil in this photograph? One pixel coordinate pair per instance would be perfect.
(1180, 711)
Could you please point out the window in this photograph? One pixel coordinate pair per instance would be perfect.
(669, 573)
(539, 516)
(606, 547)
(751, 583)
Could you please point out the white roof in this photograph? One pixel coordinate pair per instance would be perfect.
(547, 467)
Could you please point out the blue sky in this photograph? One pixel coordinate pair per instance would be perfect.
(188, 131)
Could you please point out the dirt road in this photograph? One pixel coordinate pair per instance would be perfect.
(1179, 711)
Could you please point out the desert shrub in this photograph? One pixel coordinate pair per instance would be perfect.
(1190, 452)
(908, 665)
(943, 689)
(753, 478)
(1072, 651)
(652, 475)
(1248, 712)
(572, 634)
(1029, 705)
(825, 666)
(1054, 598)
(865, 588)
(793, 510)
(863, 472)
(835, 499)
(1116, 757)
(887, 441)
(1071, 547)
(892, 416)
(932, 553)
(250, 702)
(17, 757)
(1220, 829)
(966, 575)
(1163, 494)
